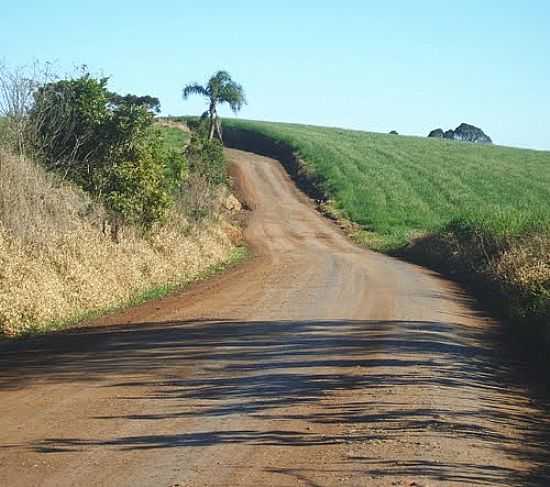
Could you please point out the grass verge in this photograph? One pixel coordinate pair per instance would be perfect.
(237, 256)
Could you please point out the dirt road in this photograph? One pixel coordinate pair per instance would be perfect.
(314, 364)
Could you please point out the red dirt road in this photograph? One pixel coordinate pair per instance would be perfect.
(314, 364)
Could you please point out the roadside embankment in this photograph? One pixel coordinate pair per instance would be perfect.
(509, 273)
(59, 264)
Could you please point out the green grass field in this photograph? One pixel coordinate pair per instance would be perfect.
(399, 187)
(173, 138)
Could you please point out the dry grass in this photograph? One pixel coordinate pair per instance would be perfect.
(35, 205)
(56, 263)
(510, 273)
(527, 263)
(524, 267)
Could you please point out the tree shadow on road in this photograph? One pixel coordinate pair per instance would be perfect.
(270, 370)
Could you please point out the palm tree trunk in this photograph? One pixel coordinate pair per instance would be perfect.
(219, 129)
(211, 129)
(213, 115)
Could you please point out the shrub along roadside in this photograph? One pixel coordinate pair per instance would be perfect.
(106, 143)
(502, 255)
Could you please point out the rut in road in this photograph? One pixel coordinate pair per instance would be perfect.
(316, 363)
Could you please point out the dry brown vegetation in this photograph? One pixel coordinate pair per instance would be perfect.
(512, 274)
(57, 262)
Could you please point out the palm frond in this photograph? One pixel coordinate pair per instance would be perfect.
(194, 89)
(217, 82)
(232, 93)
(221, 78)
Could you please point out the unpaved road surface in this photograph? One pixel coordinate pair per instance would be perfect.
(314, 364)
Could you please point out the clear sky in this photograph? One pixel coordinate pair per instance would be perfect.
(409, 66)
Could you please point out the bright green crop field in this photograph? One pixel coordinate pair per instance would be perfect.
(399, 187)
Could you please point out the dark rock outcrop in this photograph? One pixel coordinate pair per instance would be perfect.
(469, 133)
(437, 133)
(465, 133)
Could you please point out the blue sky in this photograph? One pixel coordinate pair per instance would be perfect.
(378, 66)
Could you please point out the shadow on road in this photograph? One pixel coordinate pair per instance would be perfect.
(269, 370)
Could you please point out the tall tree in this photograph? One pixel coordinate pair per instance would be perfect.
(219, 89)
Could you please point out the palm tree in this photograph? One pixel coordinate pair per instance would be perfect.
(219, 89)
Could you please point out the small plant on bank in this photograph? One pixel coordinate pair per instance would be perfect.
(205, 158)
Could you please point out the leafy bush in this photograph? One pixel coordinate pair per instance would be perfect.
(175, 168)
(205, 158)
(106, 143)
(137, 190)
(199, 125)
(128, 129)
(173, 141)
(68, 120)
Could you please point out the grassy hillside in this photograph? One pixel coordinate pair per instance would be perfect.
(480, 213)
(400, 187)
(101, 202)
